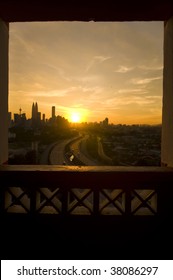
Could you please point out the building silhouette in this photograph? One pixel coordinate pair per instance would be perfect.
(35, 115)
(53, 112)
(34, 111)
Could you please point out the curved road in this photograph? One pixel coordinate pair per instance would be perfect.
(44, 159)
(56, 153)
(58, 156)
(78, 148)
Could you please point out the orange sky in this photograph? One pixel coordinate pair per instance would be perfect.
(95, 70)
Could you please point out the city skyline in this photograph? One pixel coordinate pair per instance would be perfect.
(38, 115)
(88, 70)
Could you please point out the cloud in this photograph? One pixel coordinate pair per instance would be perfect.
(123, 69)
(139, 81)
(95, 60)
(59, 70)
(101, 58)
(86, 79)
(132, 91)
(123, 101)
(153, 68)
(51, 93)
(19, 40)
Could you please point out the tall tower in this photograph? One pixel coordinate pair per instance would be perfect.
(34, 111)
(53, 112)
(36, 116)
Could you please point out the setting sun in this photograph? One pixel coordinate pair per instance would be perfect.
(75, 117)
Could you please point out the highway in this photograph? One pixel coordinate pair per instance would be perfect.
(57, 154)
(71, 152)
(44, 159)
(54, 154)
(78, 148)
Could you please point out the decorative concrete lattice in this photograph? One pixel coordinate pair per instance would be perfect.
(144, 202)
(49, 201)
(80, 201)
(112, 202)
(17, 200)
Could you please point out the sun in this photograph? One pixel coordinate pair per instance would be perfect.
(75, 117)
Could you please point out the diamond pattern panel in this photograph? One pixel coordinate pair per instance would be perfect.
(80, 202)
(49, 201)
(17, 200)
(112, 202)
(144, 202)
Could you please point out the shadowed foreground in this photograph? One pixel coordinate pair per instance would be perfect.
(64, 212)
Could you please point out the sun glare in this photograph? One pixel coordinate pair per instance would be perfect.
(75, 117)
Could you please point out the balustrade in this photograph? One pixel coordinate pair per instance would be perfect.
(70, 190)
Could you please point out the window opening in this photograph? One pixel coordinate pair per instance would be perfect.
(85, 93)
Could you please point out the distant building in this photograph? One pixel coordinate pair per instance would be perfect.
(16, 118)
(53, 112)
(34, 111)
(105, 122)
(39, 116)
(19, 119)
(36, 116)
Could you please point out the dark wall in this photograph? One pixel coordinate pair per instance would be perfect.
(109, 10)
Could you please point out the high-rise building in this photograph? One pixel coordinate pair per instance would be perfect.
(36, 116)
(44, 118)
(53, 112)
(34, 111)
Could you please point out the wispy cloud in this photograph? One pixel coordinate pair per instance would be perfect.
(123, 69)
(96, 60)
(153, 68)
(60, 71)
(120, 102)
(19, 40)
(101, 58)
(139, 81)
(132, 91)
(51, 93)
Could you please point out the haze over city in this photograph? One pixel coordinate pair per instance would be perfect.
(88, 70)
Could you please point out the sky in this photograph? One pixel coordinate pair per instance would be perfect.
(93, 70)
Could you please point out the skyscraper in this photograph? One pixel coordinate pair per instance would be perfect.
(34, 111)
(36, 116)
(53, 112)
